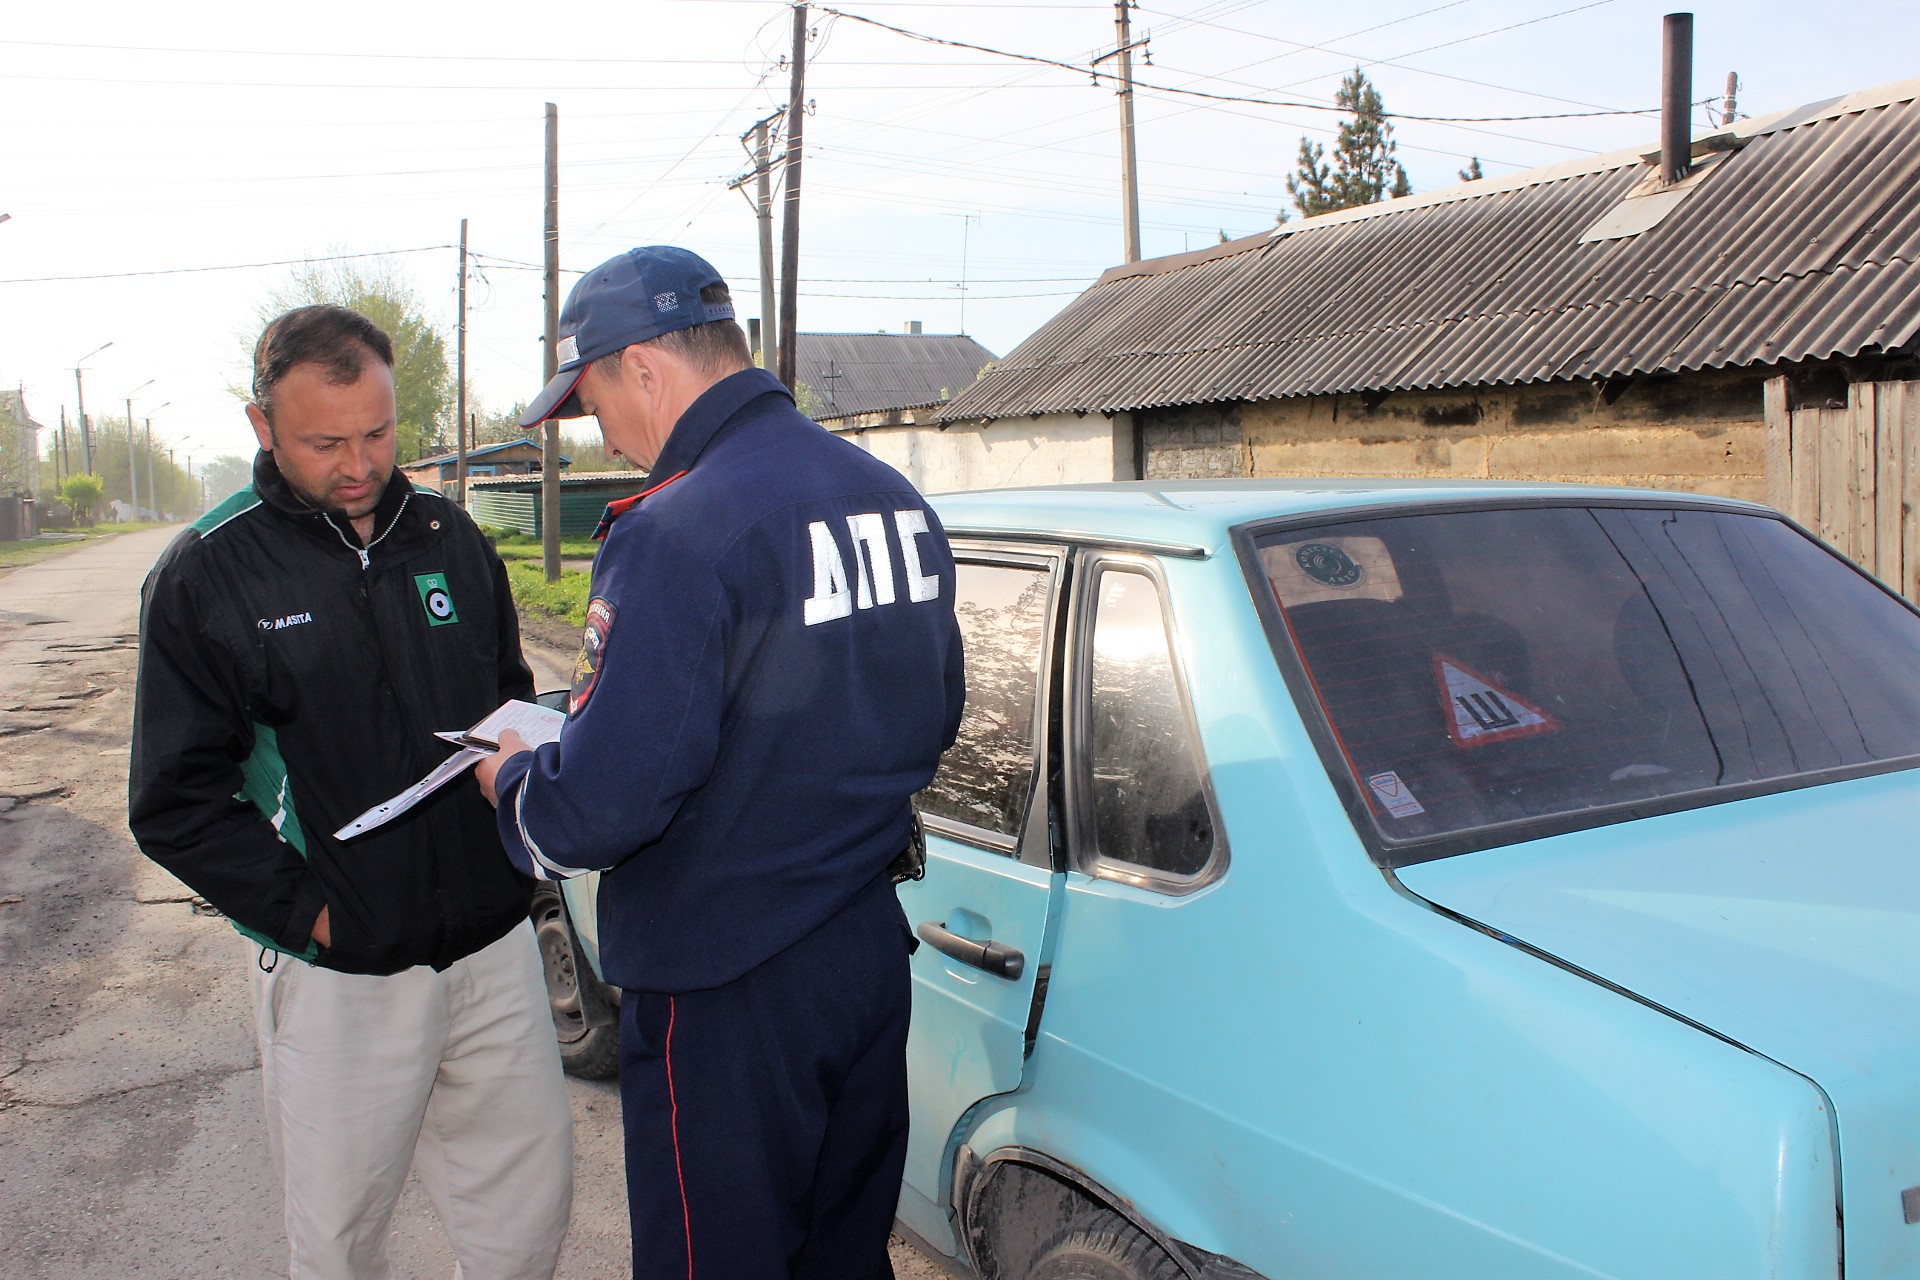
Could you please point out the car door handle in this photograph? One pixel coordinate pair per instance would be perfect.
(996, 958)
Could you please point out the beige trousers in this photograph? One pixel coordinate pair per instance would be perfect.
(454, 1074)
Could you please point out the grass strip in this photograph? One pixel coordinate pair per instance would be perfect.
(565, 598)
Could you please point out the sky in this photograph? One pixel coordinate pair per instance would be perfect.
(142, 145)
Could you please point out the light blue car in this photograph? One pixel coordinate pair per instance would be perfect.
(1388, 880)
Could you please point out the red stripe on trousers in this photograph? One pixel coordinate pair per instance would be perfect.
(673, 1106)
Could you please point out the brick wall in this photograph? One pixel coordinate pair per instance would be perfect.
(1701, 433)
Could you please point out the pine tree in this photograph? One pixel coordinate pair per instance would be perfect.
(1364, 168)
(1472, 172)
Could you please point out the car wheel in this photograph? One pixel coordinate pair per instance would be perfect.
(1098, 1245)
(588, 1051)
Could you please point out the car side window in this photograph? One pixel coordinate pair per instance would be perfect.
(1145, 786)
(985, 779)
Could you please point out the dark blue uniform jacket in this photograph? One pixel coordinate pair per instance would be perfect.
(771, 671)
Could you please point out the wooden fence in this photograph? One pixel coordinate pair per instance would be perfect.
(1852, 474)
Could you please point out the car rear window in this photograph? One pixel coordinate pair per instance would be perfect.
(1490, 667)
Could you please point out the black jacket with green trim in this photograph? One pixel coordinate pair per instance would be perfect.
(289, 680)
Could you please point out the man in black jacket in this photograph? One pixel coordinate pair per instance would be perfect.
(299, 647)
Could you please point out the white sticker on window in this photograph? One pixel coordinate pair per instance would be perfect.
(1395, 795)
(1480, 711)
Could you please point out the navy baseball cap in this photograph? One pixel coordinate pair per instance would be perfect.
(641, 294)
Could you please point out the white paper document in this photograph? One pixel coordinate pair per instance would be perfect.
(535, 724)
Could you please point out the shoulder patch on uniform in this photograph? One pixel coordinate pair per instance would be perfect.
(231, 507)
(593, 653)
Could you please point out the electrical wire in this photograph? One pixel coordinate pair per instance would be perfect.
(232, 266)
(1141, 86)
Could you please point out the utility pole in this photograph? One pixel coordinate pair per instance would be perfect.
(153, 501)
(460, 395)
(133, 464)
(133, 469)
(788, 346)
(763, 165)
(1730, 108)
(80, 390)
(62, 467)
(550, 450)
(1129, 174)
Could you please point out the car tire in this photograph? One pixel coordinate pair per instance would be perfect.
(586, 1050)
(1099, 1245)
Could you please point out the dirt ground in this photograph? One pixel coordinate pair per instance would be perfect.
(131, 1143)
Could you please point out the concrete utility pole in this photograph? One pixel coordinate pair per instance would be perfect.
(1129, 175)
(153, 500)
(550, 449)
(133, 470)
(788, 346)
(133, 466)
(1730, 108)
(80, 391)
(763, 190)
(460, 395)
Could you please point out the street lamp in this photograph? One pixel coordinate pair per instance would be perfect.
(133, 470)
(86, 435)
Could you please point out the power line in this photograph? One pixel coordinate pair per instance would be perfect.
(1098, 75)
(233, 266)
(409, 57)
(1298, 47)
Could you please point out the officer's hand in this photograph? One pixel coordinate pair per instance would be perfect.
(511, 744)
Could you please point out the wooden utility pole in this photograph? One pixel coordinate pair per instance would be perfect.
(550, 450)
(763, 213)
(62, 464)
(788, 346)
(460, 394)
(1129, 176)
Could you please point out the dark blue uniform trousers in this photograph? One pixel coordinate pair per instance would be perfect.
(766, 1120)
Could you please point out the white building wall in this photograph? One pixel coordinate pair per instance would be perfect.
(1061, 448)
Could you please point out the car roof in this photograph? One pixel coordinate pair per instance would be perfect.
(1198, 513)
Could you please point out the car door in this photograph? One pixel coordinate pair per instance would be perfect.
(982, 911)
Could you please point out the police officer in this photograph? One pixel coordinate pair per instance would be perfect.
(771, 670)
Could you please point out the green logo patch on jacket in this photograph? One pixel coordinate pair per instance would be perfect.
(435, 598)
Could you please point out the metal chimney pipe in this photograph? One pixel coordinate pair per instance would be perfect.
(1676, 98)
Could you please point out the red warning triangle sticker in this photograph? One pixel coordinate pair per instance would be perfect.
(1479, 711)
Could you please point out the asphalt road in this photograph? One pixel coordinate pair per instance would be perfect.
(131, 1142)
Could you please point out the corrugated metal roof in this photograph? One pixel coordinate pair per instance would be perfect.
(873, 372)
(1802, 243)
(482, 451)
